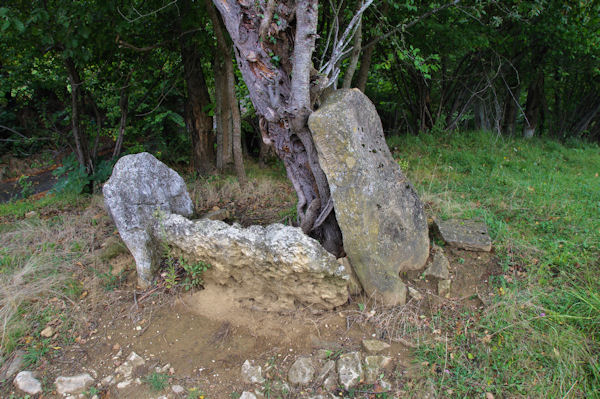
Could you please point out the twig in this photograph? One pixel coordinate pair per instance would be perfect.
(140, 16)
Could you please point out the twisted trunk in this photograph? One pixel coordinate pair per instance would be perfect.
(283, 88)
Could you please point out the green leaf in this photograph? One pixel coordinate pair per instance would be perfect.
(19, 25)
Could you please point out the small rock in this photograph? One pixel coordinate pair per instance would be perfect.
(124, 384)
(444, 288)
(108, 380)
(330, 382)
(349, 369)
(373, 346)
(47, 332)
(116, 347)
(301, 372)
(178, 389)
(489, 395)
(385, 386)
(13, 366)
(125, 370)
(281, 387)
(30, 214)
(373, 366)
(252, 374)
(439, 267)
(415, 294)
(74, 384)
(247, 395)
(26, 382)
(466, 234)
(327, 368)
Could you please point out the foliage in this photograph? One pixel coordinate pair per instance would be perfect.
(157, 381)
(73, 177)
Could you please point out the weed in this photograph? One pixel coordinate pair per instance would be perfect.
(195, 393)
(110, 281)
(194, 271)
(25, 186)
(156, 381)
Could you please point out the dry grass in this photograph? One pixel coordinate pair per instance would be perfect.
(43, 259)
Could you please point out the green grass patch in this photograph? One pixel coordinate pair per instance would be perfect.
(541, 202)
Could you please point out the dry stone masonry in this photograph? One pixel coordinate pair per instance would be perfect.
(382, 220)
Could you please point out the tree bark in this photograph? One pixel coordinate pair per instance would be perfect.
(124, 107)
(363, 71)
(347, 83)
(534, 105)
(81, 144)
(279, 85)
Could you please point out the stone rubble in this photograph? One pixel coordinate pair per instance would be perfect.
(73, 384)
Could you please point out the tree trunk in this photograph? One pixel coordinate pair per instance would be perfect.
(511, 109)
(198, 123)
(355, 55)
(280, 84)
(363, 72)
(533, 106)
(81, 144)
(124, 107)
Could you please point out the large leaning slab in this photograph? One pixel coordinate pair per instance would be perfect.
(471, 235)
(275, 267)
(383, 222)
(140, 186)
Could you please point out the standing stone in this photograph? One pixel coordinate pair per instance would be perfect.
(349, 369)
(465, 234)
(301, 372)
(26, 382)
(139, 186)
(383, 222)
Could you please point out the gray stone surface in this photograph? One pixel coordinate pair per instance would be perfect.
(140, 184)
(272, 268)
(252, 374)
(301, 372)
(326, 369)
(415, 294)
(73, 384)
(439, 267)
(12, 366)
(444, 288)
(374, 366)
(471, 235)
(382, 220)
(354, 287)
(373, 346)
(349, 369)
(25, 381)
(247, 395)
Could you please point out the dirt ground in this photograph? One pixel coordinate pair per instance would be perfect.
(201, 338)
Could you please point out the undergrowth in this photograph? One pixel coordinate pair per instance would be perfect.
(541, 202)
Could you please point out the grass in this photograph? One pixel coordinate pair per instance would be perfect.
(156, 381)
(541, 201)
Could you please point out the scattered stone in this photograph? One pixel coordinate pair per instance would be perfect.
(135, 360)
(47, 332)
(415, 294)
(349, 369)
(74, 384)
(325, 371)
(281, 387)
(373, 366)
(330, 382)
(489, 395)
(26, 382)
(301, 372)
(108, 380)
(274, 268)
(383, 222)
(178, 389)
(385, 386)
(139, 186)
(471, 235)
(354, 287)
(31, 214)
(13, 365)
(444, 288)
(124, 384)
(247, 395)
(252, 374)
(373, 346)
(439, 267)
